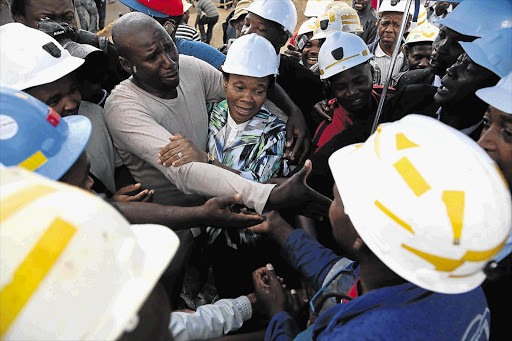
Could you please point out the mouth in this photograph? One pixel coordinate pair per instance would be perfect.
(171, 75)
(358, 6)
(312, 60)
(243, 111)
(388, 39)
(356, 103)
(443, 90)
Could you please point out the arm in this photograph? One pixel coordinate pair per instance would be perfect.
(215, 212)
(137, 132)
(212, 320)
(297, 133)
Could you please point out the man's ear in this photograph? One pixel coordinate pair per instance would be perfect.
(19, 18)
(358, 244)
(407, 26)
(126, 65)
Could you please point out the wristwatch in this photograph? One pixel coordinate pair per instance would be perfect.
(211, 159)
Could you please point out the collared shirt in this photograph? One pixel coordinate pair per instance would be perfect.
(384, 62)
(231, 130)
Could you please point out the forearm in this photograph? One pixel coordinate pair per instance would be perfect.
(175, 217)
(211, 320)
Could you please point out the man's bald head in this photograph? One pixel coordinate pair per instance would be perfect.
(129, 25)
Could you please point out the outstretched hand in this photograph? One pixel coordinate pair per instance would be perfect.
(269, 291)
(218, 213)
(133, 193)
(295, 193)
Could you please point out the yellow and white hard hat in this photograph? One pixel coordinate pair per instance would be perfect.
(338, 17)
(316, 7)
(427, 201)
(341, 51)
(422, 17)
(426, 32)
(72, 268)
(307, 26)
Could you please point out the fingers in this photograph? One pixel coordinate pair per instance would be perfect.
(305, 150)
(228, 200)
(139, 196)
(299, 144)
(129, 189)
(149, 196)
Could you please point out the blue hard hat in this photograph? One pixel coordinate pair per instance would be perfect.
(478, 18)
(493, 51)
(134, 4)
(35, 137)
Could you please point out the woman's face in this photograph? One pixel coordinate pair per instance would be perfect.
(245, 96)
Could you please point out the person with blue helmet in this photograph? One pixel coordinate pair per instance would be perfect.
(170, 13)
(496, 139)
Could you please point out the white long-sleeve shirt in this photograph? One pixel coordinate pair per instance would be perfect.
(211, 320)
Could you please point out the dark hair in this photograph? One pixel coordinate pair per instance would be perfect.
(17, 7)
(408, 47)
(271, 79)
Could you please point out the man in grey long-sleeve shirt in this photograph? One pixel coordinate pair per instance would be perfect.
(210, 18)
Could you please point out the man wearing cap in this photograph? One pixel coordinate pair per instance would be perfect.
(368, 18)
(388, 26)
(276, 21)
(408, 279)
(184, 30)
(486, 17)
(497, 142)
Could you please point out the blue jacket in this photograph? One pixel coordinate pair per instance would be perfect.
(402, 312)
(201, 51)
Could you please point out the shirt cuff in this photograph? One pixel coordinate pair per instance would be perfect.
(243, 305)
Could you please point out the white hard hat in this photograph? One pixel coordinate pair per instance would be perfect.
(492, 51)
(500, 95)
(478, 18)
(341, 51)
(426, 32)
(72, 267)
(186, 5)
(307, 26)
(30, 57)
(427, 201)
(251, 55)
(337, 18)
(282, 12)
(316, 7)
(393, 6)
(422, 17)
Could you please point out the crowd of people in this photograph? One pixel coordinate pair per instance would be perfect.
(346, 178)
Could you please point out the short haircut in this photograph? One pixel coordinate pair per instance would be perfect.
(17, 7)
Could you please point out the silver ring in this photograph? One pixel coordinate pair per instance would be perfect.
(180, 155)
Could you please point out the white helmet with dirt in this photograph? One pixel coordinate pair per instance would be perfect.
(316, 7)
(72, 267)
(338, 17)
(341, 51)
(427, 201)
(426, 32)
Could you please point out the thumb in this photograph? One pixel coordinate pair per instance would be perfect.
(289, 135)
(229, 200)
(271, 273)
(129, 188)
(305, 171)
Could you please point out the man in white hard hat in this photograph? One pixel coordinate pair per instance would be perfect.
(416, 240)
(276, 21)
(497, 142)
(388, 26)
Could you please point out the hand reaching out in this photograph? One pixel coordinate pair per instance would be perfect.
(133, 193)
(218, 213)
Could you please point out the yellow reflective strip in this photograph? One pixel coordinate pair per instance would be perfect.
(454, 201)
(402, 142)
(331, 16)
(20, 95)
(34, 162)
(394, 217)
(422, 14)
(478, 256)
(376, 143)
(10, 205)
(441, 263)
(339, 61)
(32, 271)
(411, 176)
(428, 35)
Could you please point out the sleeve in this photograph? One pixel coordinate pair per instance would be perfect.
(308, 256)
(268, 160)
(213, 82)
(199, 8)
(282, 327)
(133, 129)
(211, 320)
(201, 51)
(195, 36)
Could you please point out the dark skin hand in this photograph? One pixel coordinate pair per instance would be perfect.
(294, 192)
(321, 110)
(132, 193)
(293, 52)
(216, 212)
(274, 226)
(269, 292)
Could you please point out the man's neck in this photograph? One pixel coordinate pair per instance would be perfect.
(386, 49)
(161, 93)
(463, 115)
(373, 274)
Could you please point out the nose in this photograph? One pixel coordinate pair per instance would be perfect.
(352, 90)
(424, 62)
(71, 102)
(488, 140)
(168, 61)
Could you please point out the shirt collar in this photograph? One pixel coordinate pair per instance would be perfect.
(380, 53)
(233, 125)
